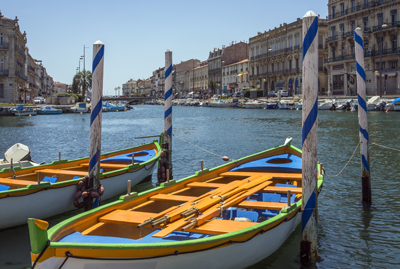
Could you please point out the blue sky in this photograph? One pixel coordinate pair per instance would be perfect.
(136, 34)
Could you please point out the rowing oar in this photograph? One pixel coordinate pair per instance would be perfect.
(207, 203)
(212, 212)
(175, 213)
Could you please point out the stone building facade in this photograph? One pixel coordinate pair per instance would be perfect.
(129, 88)
(198, 79)
(21, 76)
(235, 77)
(218, 58)
(376, 18)
(276, 58)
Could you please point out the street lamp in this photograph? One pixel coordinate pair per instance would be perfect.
(380, 59)
(268, 50)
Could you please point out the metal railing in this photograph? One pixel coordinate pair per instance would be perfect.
(332, 38)
(19, 74)
(390, 25)
(4, 46)
(370, 4)
(4, 73)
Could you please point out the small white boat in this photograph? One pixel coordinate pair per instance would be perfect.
(394, 105)
(19, 155)
(219, 103)
(108, 107)
(286, 104)
(253, 104)
(343, 105)
(48, 110)
(325, 105)
(205, 103)
(373, 102)
(298, 106)
(79, 108)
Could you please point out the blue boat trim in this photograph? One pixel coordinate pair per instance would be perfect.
(283, 162)
(140, 157)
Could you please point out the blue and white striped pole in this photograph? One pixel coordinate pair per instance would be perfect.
(308, 246)
(168, 108)
(362, 117)
(95, 117)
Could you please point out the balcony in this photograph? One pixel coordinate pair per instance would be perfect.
(4, 73)
(390, 25)
(20, 51)
(5, 46)
(376, 53)
(19, 74)
(297, 47)
(370, 4)
(332, 38)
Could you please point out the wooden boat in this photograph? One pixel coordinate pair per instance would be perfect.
(231, 216)
(22, 197)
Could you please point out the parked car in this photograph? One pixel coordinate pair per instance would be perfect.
(39, 100)
(272, 94)
(283, 93)
(224, 95)
(238, 94)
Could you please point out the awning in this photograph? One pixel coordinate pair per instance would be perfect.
(229, 89)
(389, 75)
(20, 64)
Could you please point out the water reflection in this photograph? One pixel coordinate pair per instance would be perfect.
(348, 235)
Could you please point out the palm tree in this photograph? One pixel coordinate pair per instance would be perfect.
(212, 85)
(82, 80)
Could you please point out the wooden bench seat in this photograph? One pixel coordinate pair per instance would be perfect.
(169, 197)
(107, 165)
(297, 176)
(205, 185)
(16, 182)
(126, 217)
(218, 226)
(62, 172)
(262, 205)
(283, 190)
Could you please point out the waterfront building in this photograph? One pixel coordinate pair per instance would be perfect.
(376, 18)
(13, 79)
(198, 79)
(235, 77)
(181, 74)
(276, 58)
(129, 88)
(225, 56)
(60, 87)
(159, 81)
(147, 86)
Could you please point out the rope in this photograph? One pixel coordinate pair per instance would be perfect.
(199, 147)
(346, 163)
(385, 147)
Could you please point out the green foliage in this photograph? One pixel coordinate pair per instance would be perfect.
(68, 95)
(81, 82)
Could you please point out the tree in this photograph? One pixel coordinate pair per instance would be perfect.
(82, 81)
(212, 85)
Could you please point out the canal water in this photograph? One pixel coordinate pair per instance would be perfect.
(349, 236)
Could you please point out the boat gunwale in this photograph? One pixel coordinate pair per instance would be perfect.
(34, 187)
(289, 213)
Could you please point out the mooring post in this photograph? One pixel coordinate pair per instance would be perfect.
(95, 121)
(168, 109)
(308, 246)
(362, 118)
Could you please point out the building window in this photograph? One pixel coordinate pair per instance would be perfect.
(1, 64)
(353, 5)
(333, 30)
(283, 66)
(342, 9)
(257, 51)
(283, 44)
(272, 67)
(394, 43)
(393, 14)
(365, 23)
(278, 46)
(297, 40)
(290, 64)
(393, 65)
(333, 52)
(252, 70)
(342, 50)
(263, 69)
(272, 47)
(290, 42)
(1, 90)
(380, 19)
(252, 52)
(333, 12)
(1, 39)
(353, 25)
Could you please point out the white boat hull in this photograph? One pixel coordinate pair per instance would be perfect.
(15, 210)
(240, 255)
